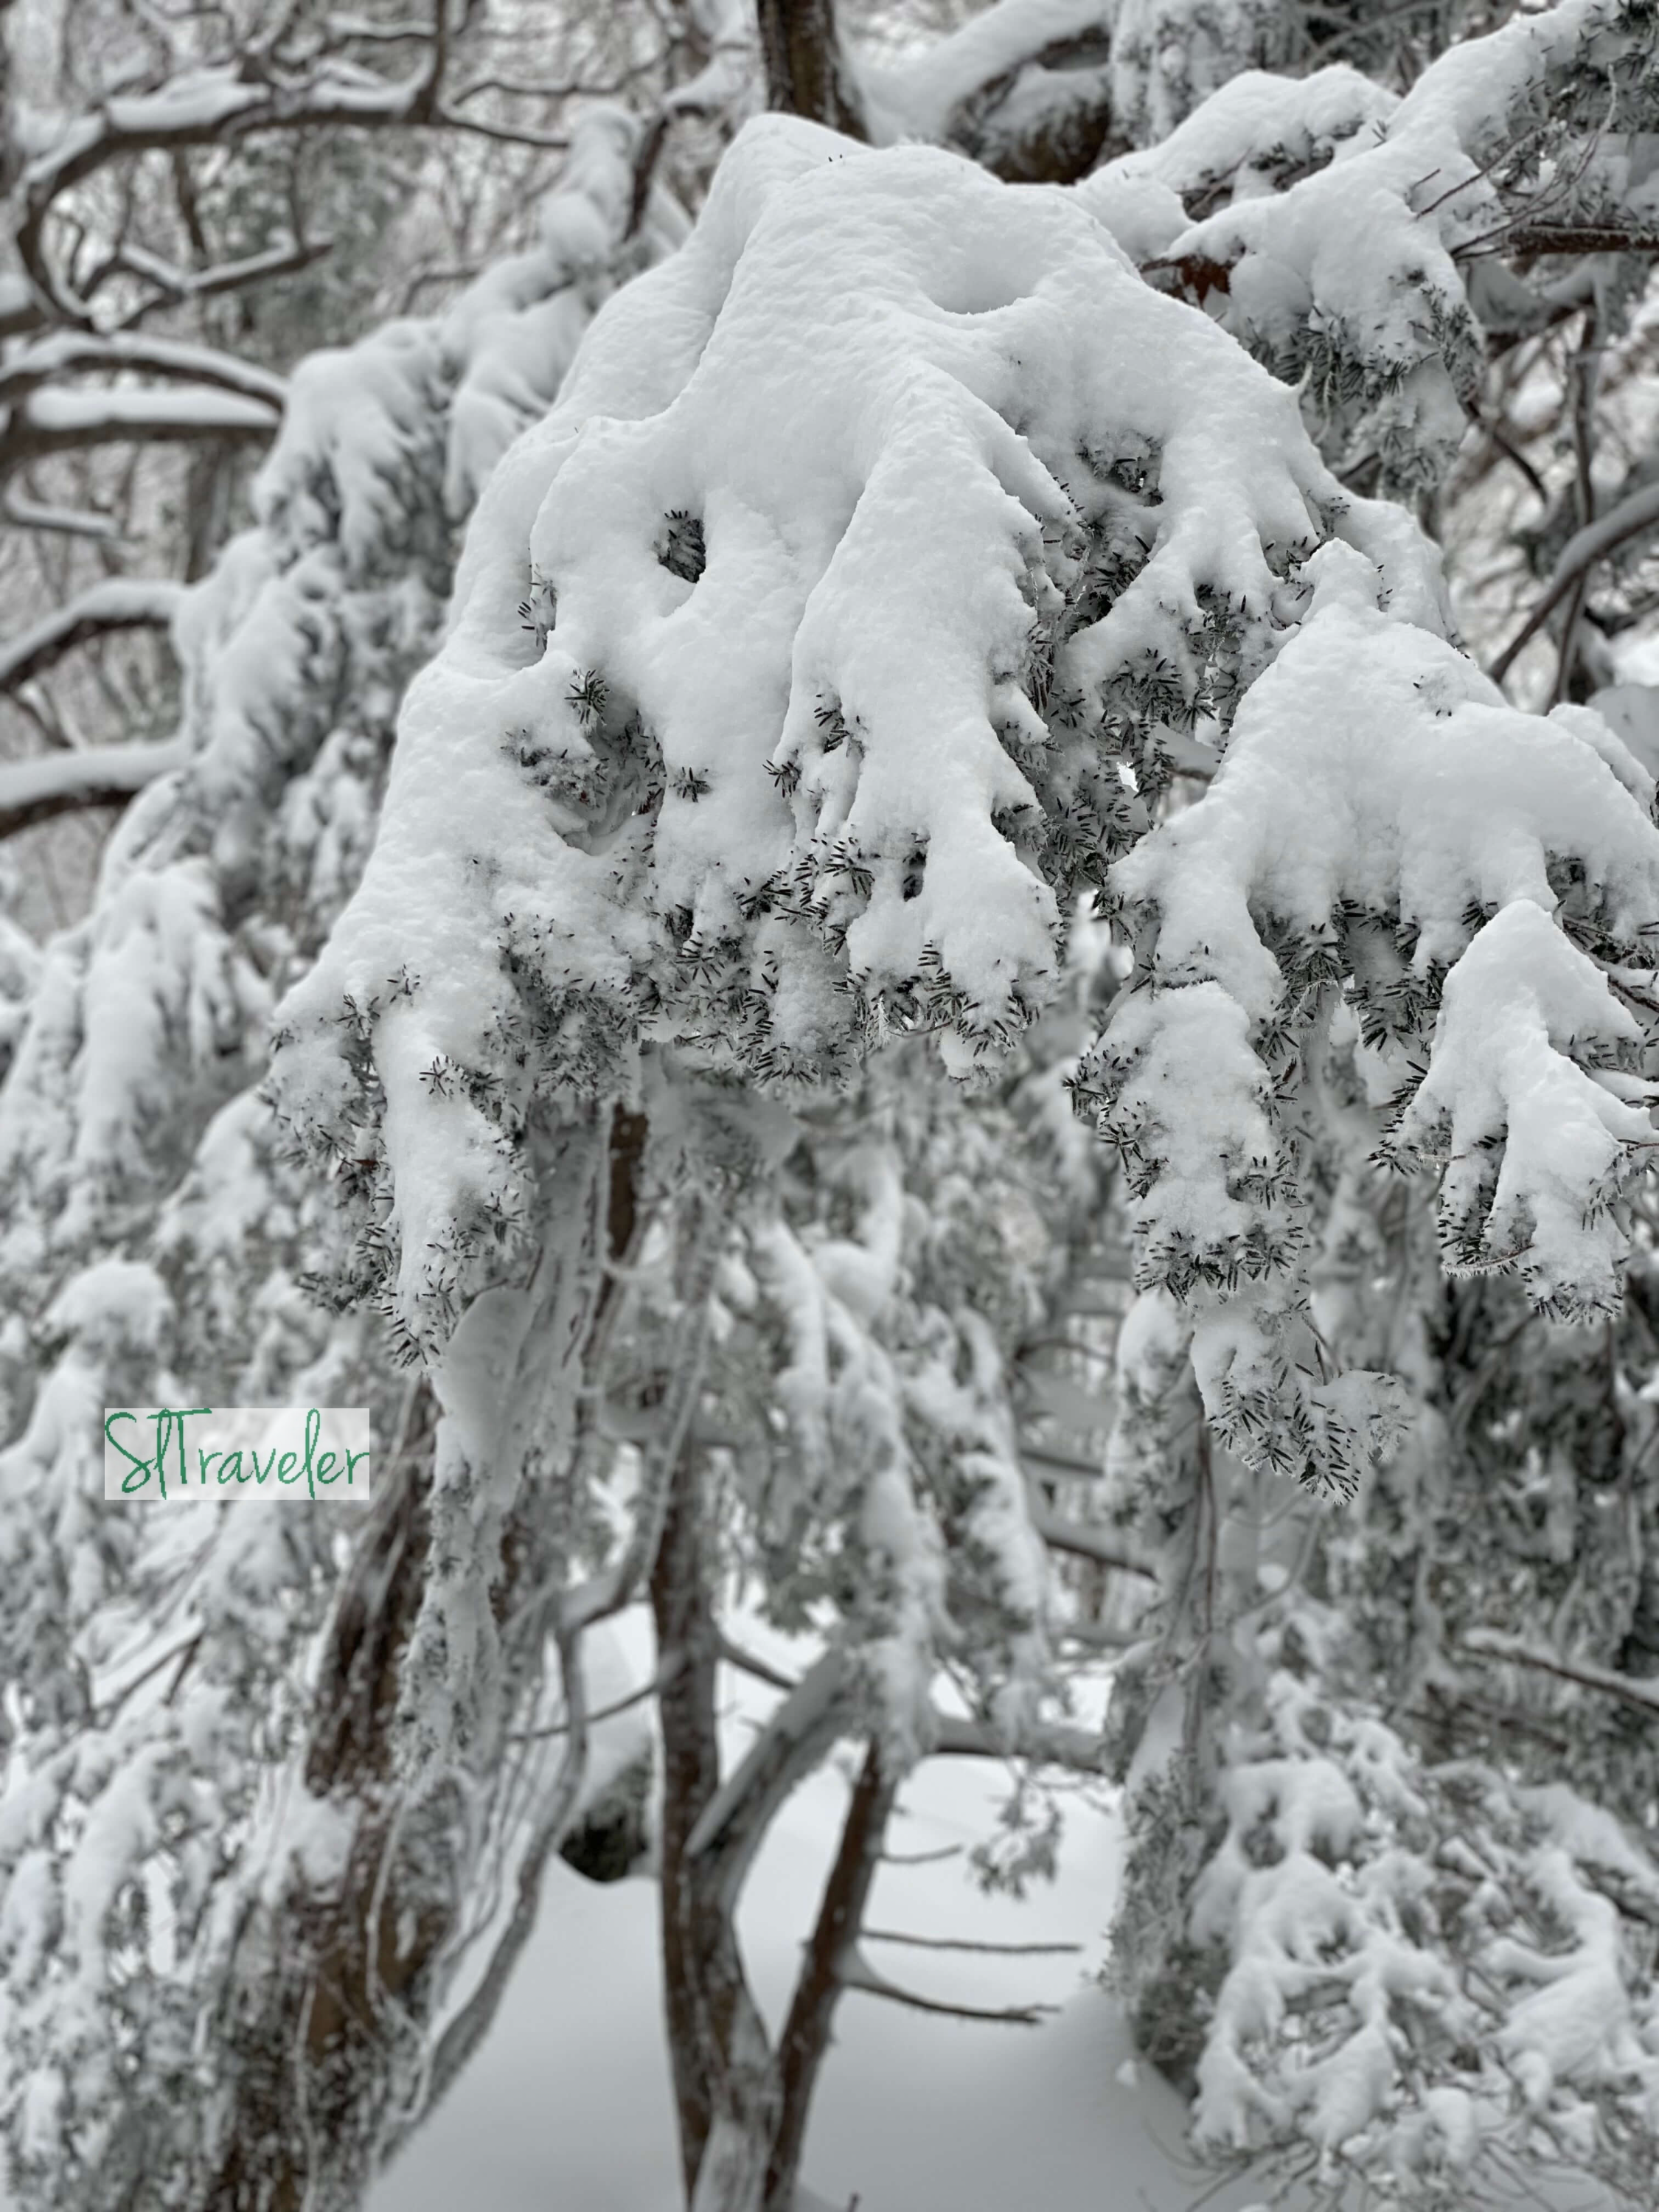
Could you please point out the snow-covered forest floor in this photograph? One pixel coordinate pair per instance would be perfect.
(569, 2102)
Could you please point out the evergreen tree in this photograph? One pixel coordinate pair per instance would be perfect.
(920, 665)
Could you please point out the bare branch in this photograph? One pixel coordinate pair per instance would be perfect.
(1488, 1643)
(519, 89)
(921, 1859)
(70, 521)
(554, 142)
(1530, 240)
(805, 2036)
(856, 1974)
(1586, 374)
(962, 1944)
(735, 1656)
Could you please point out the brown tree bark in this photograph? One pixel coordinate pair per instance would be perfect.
(726, 2082)
(805, 74)
(806, 2038)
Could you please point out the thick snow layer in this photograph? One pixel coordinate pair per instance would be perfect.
(1385, 338)
(782, 757)
(744, 739)
(1383, 828)
(187, 407)
(1423, 793)
(1520, 1000)
(1237, 141)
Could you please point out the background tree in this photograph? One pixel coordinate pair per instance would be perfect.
(200, 201)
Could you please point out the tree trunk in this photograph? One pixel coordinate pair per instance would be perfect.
(728, 2095)
(329, 2024)
(308, 2016)
(805, 73)
(806, 2033)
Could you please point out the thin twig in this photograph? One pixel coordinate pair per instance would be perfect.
(1631, 516)
(856, 1975)
(960, 1943)
(1488, 1643)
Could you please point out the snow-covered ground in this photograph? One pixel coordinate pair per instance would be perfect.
(568, 2108)
(569, 2103)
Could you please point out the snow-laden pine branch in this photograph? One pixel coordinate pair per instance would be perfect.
(1537, 122)
(853, 631)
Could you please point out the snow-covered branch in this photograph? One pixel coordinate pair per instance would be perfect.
(170, 284)
(1631, 517)
(36, 791)
(66, 353)
(1500, 136)
(1042, 1743)
(794, 1740)
(1488, 1643)
(118, 604)
(46, 421)
(211, 106)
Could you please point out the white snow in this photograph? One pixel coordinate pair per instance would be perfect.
(868, 376)
(914, 95)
